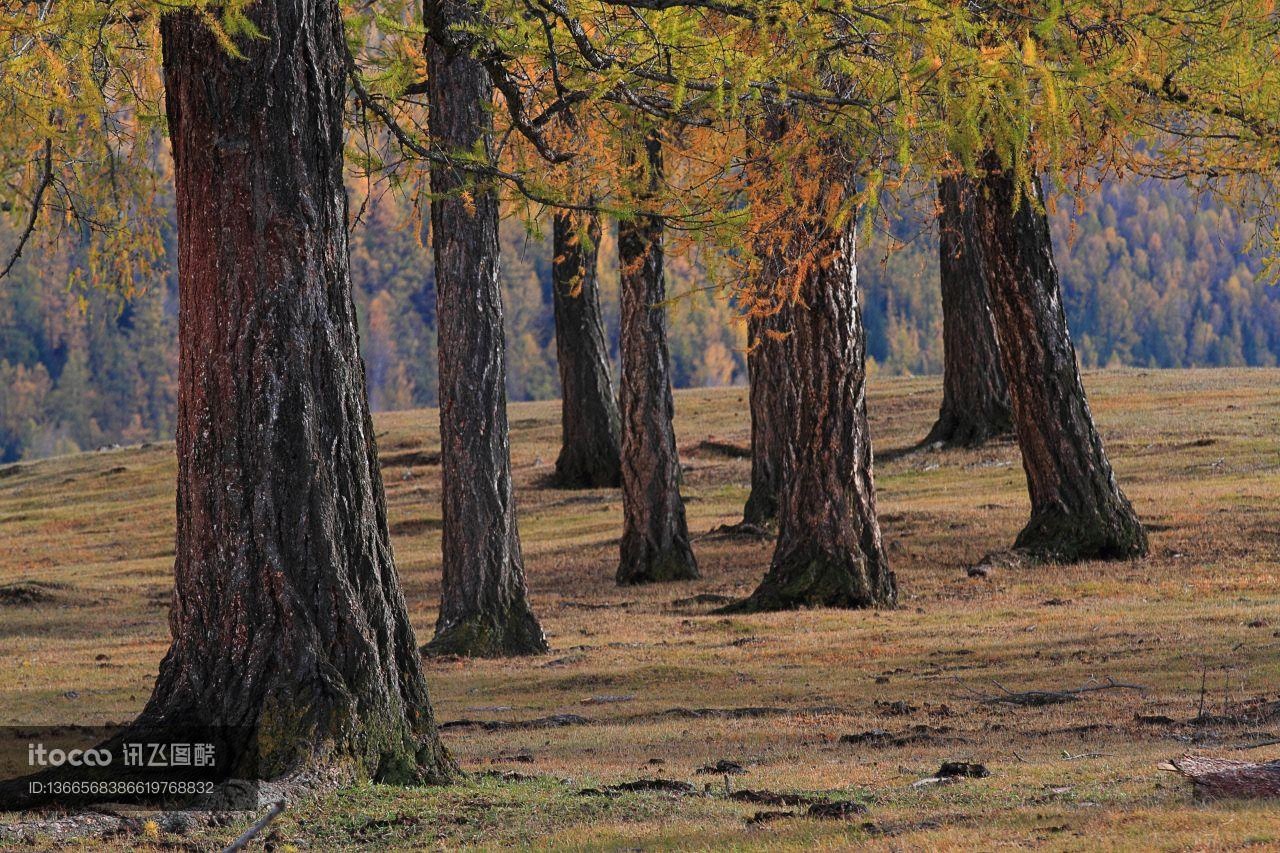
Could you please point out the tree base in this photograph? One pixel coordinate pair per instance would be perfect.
(510, 634)
(574, 471)
(1057, 537)
(761, 509)
(953, 432)
(802, 581)
(675, 563)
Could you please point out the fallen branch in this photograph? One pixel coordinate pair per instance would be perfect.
(1040, 698)
(258, 825)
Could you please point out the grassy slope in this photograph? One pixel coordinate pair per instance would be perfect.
(1196, 451)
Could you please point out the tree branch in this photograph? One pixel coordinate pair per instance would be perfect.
(45, 180)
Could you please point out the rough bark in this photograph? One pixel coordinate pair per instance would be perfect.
(484, 609)
(655, 538)
(1077, 510)
(975, 397)
(829, 552)
(590, 451)
(288, 620)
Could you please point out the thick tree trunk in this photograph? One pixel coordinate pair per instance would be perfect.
(1077, 510)
(288, 620)
(829, 551)
(975, 397)
(590, 452)
(655, 536)
(767, 436)
(484, 611)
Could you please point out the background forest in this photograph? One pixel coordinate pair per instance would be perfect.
(1153, 276)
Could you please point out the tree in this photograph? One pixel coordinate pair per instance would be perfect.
(764, 362)
(590, 454)
(655, 537)
(484, 608)
(287, 618)
(829, 551)
(975, 397)
(1077, 510)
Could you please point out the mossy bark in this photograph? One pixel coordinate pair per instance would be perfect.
(590, 446)
(1077, 510)
(484, 608)
(655, 537)
(288, 622)
(975, 397)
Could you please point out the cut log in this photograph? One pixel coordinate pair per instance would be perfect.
(1221, 777)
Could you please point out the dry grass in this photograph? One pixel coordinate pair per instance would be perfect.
(1196, 451)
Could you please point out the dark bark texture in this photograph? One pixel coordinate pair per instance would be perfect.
(1077, 510)
(484, 611)
(767, 436)
(655, 538)
(975, 396)
(288, 620)
(829, 552)
(764, 360)
(590, 451)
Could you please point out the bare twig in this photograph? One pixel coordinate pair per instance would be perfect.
(258, 825)
(45, 180)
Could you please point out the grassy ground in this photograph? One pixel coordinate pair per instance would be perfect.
(664, 688)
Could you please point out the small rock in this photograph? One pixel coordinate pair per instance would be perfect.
(963, 769)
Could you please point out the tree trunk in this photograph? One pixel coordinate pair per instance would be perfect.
(975, 397)
(829, 552)
(1077, 510)
(655, 537)
(484, 611)
(287, 617)
(763, 362)
(590, 453)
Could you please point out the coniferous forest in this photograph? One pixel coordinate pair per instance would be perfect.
(1154, 276)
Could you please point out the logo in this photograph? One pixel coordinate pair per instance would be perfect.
(39, 756)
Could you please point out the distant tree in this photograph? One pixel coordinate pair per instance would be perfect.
(288, 620)
(655, 535)
(484, 609)
(590, 453)
(766, 365)
(975, 397)
(1077, 510)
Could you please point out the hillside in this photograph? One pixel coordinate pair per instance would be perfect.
(841, 705)
(1152, 276)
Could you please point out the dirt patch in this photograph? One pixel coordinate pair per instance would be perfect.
(555, 721)
(415, 526)
(27, 593)
(410, 459)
